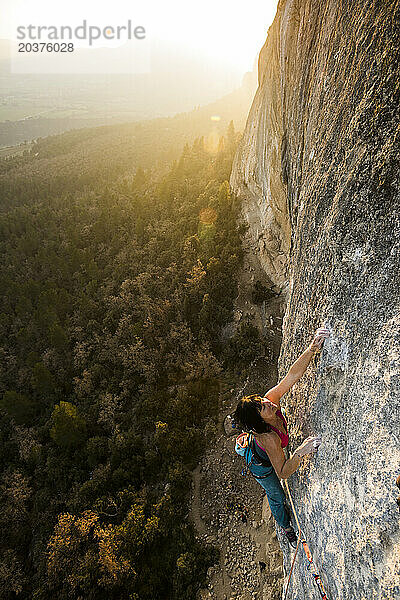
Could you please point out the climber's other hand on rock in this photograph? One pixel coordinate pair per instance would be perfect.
(319, 337)
(309, 446)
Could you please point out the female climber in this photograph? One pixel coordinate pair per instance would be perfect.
(262, 417)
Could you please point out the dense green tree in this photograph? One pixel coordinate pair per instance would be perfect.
(69, 427)
(18, 406)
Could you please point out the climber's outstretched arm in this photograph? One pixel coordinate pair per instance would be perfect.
(298, 368)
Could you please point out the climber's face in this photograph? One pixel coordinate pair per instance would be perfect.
(268, 409)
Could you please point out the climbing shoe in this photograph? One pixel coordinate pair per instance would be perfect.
(291, 536)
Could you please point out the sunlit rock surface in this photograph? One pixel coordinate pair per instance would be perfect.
(318, 171)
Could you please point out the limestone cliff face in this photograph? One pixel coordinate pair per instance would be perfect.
(318, 173)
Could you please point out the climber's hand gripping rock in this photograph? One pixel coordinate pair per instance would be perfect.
(309, 446)
(319, 337)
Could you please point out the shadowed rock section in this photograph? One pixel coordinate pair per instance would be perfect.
(256, 173)
(317, 170)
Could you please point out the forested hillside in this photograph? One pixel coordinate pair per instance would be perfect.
(117, 274)
(97, 157)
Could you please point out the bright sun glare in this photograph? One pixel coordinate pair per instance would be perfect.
(231, 33)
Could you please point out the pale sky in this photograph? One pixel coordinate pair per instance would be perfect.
(231, 32)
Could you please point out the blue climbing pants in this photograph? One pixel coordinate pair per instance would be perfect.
(276, 498)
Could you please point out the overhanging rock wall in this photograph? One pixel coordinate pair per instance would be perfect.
(318, 172)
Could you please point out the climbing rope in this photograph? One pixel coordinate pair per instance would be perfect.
(291, 568)
(313, 569)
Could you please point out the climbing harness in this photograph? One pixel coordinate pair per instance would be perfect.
(258, 466)
(313, 569)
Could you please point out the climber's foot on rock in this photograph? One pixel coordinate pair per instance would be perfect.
(290, 535)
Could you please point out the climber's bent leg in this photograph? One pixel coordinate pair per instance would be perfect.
(276, 499)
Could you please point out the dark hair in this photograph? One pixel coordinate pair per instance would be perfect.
(247, 414)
